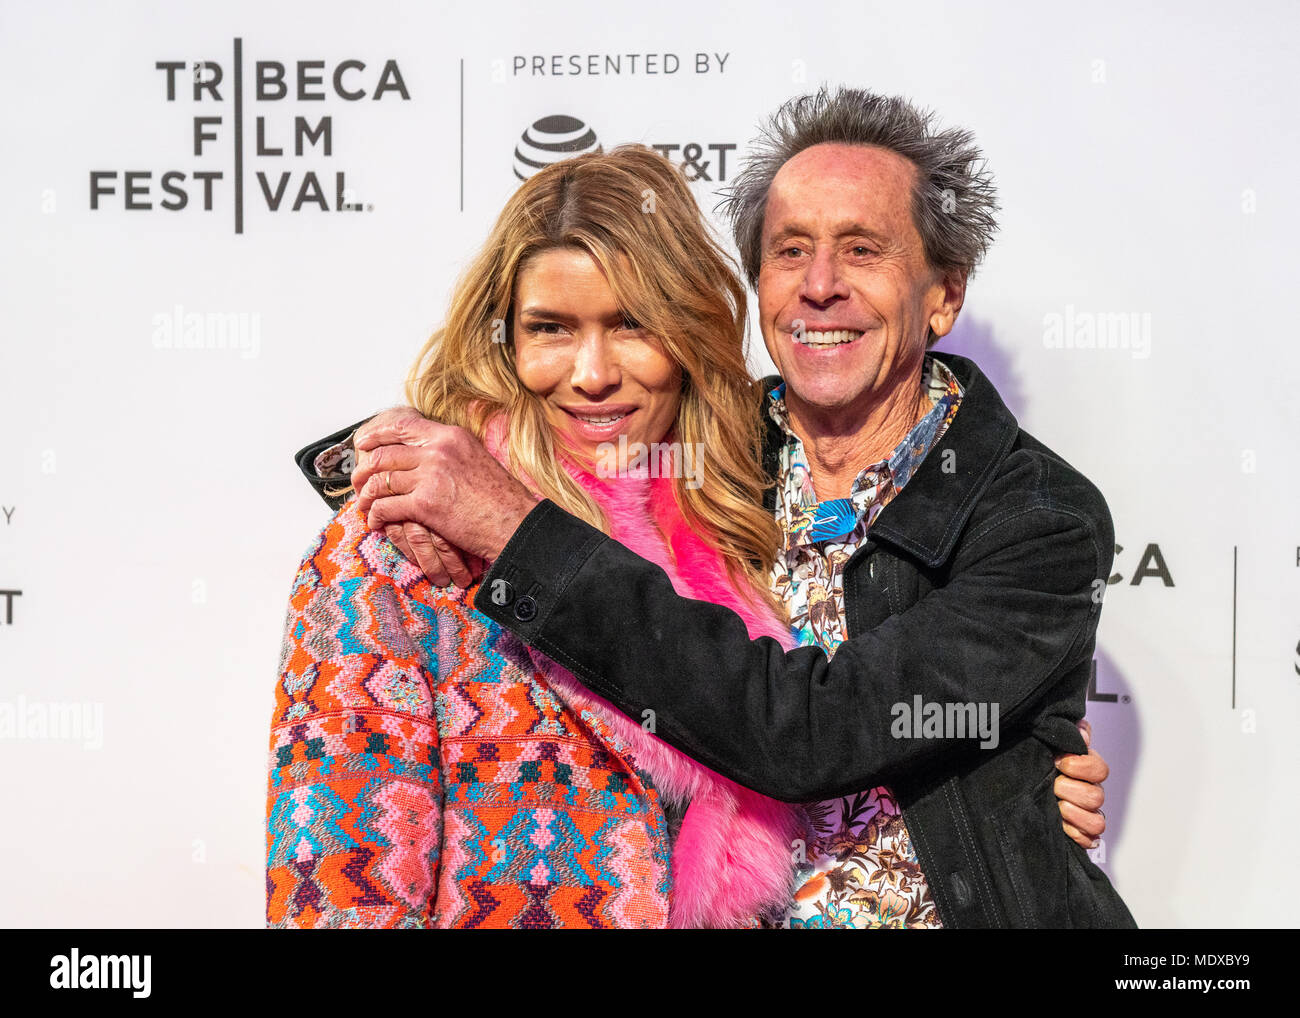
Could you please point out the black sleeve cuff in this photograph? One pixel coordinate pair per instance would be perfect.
(541, 558)
(306, 456)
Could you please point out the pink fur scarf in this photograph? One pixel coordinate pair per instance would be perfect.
(732, 858)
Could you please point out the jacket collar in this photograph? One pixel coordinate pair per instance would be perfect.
(928, 515)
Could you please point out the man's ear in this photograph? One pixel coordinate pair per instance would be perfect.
(950, 294)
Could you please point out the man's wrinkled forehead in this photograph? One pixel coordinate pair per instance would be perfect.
(840, 190)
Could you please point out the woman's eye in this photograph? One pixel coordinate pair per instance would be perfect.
(630, 323)
(546, 328)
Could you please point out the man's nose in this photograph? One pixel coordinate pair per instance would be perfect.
(595, 368)
(823, 282)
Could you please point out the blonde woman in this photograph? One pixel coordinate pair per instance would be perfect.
(429, 770)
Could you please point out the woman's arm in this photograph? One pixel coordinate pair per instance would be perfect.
(354, 796)
(1079, 792)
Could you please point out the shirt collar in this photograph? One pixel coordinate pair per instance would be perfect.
(929, 520)
(945, 392)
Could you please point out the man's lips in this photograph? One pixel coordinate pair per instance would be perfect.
(825, 337)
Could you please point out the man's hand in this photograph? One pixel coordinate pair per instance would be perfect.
(439, 561)
(438, 479)
(1078, 787)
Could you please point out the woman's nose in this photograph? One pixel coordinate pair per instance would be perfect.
(595, 367)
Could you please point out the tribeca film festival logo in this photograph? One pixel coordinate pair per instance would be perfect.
(7, 611)
(560, 136)
(217, 92)
(8, 595)
(1151, 566)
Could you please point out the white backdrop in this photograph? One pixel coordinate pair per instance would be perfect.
(153, 518)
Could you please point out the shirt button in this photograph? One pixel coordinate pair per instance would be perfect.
(525, 609)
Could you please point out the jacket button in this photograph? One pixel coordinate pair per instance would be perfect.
(502, 592)
(525, 609)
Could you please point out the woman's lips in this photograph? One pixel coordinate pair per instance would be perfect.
(599, 425)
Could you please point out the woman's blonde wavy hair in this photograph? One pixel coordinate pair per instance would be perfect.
(631, 211)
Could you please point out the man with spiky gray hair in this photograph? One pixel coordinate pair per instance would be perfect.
(939, 563)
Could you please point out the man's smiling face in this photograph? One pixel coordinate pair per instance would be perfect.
(844, 290)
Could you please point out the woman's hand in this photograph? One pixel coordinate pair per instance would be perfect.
(1078, 787)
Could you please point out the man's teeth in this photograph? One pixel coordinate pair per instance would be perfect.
(823, 339)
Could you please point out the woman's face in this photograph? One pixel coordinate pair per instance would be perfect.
(599, 375)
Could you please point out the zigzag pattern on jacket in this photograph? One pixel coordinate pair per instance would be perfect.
(427, 769)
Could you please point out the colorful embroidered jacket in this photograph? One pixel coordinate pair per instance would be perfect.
(428, 770)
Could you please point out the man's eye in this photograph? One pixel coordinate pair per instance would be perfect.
(862, 251)
(630, 323)
(547, 328)
(792, 252)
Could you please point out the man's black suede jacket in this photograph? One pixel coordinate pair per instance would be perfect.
(980, 583)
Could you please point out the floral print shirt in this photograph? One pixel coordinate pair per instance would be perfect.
(859, 870)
